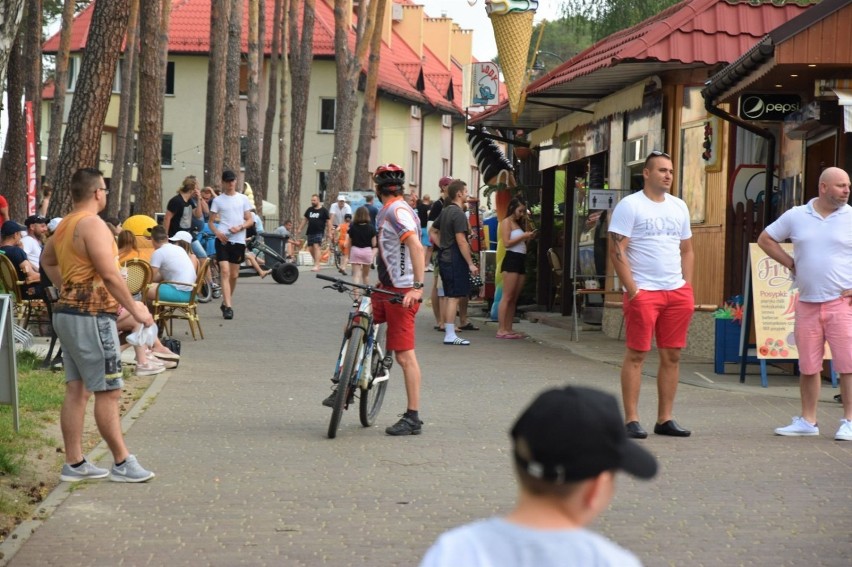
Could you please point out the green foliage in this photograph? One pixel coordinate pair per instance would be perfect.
(562, 40)
(52, 9)
(610, 16)
(40, 395)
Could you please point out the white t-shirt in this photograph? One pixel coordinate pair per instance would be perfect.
(655, 231)
(174, 265)
(822, 248)
(33, 249)
(338, 213)
(232, 210)
(496, 543)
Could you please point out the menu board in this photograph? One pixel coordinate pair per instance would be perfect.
(775, 295)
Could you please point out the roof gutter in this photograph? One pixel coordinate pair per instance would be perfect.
(726, 79)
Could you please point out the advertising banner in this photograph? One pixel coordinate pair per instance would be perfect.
(32, 171)
(484, 84)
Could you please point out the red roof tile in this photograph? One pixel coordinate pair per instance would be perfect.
(693, 31)
(400, 68)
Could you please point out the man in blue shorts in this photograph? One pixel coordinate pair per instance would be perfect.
(455, 262)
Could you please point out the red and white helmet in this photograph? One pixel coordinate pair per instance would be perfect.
(389, 175)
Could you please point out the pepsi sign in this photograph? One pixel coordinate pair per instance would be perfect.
(768, 107)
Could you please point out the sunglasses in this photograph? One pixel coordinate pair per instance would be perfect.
(656, 153)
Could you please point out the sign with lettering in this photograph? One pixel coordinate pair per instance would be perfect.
(768, 107)
(775, 296)
(484, 84)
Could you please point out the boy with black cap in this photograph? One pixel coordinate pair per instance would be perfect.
(567, 446)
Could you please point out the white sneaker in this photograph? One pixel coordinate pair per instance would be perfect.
(799, 428)
(148, 370)
(130, 471)
(845, 431)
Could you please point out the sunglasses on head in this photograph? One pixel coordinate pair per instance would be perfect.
(658, 153)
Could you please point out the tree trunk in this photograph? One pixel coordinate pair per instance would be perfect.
(126, 120)
(348, 72)
(33, 85)
(284, 214)
(57, 112)
(11, 12)
(363, 178)
(232, 89)
(82, 139)
(153, 32)
(253, 174)
(130, 152)
(301, 58)
(13, 177)
(271, 100)
(214, 135)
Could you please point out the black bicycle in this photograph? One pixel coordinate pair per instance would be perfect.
(363, 366)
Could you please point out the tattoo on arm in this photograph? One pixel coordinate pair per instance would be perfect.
(617, 239)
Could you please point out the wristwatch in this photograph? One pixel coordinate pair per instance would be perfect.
(417, 285)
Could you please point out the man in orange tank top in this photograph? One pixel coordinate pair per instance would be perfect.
(81, 259)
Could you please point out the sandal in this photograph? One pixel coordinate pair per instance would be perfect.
(469, 327)
(510, 336)
(458, 342)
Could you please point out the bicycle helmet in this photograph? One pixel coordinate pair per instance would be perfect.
(140, 225)
(389, 178)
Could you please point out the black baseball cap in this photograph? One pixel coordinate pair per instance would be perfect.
(228, 175)
(35, 219)
(576, 433)
(10, 227)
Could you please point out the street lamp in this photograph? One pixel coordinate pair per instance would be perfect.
(538, 66)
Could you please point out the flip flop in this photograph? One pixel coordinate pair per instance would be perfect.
(469, 327)
(457, 341)
(510, 336)
(437, 328)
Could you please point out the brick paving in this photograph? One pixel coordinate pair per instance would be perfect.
(245, 475)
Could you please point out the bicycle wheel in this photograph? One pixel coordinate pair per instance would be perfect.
(345, 384)
(374, 395)
(206, 293)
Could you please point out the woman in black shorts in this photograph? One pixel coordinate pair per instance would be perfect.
(514, 234)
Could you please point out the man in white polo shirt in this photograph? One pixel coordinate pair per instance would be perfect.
(821, 232)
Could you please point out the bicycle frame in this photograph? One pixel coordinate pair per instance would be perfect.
(362, 318)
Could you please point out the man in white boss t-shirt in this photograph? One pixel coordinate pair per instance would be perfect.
(651, 251)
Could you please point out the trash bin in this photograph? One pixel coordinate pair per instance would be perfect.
(276, 241)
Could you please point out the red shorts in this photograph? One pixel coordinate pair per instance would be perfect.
(661, 314)
(817, 323)
(400, 320)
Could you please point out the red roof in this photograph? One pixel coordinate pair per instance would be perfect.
(693, 31)
(400, 67)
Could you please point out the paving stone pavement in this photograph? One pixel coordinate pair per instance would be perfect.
(246, 476)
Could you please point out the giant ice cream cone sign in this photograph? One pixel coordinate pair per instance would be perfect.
(512, 21)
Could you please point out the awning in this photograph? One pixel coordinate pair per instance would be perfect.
(629, 98)
(844, 99)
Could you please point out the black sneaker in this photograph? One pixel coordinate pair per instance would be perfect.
(329, 401)
(227, 312)
(405, 426)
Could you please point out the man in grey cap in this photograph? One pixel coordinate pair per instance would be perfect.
(567, 446)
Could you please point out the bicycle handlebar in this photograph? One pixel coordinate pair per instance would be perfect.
(339, 284)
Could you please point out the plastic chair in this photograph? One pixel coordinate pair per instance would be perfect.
(167, 311)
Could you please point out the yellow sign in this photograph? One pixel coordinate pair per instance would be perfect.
(775, 296)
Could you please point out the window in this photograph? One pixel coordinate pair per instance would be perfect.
(170, 78)
(166, 151)
(322, 184)
(116, 84)
(73, 70)
(414, 167)
(446, 120)
(243, 151)
(328, 107)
